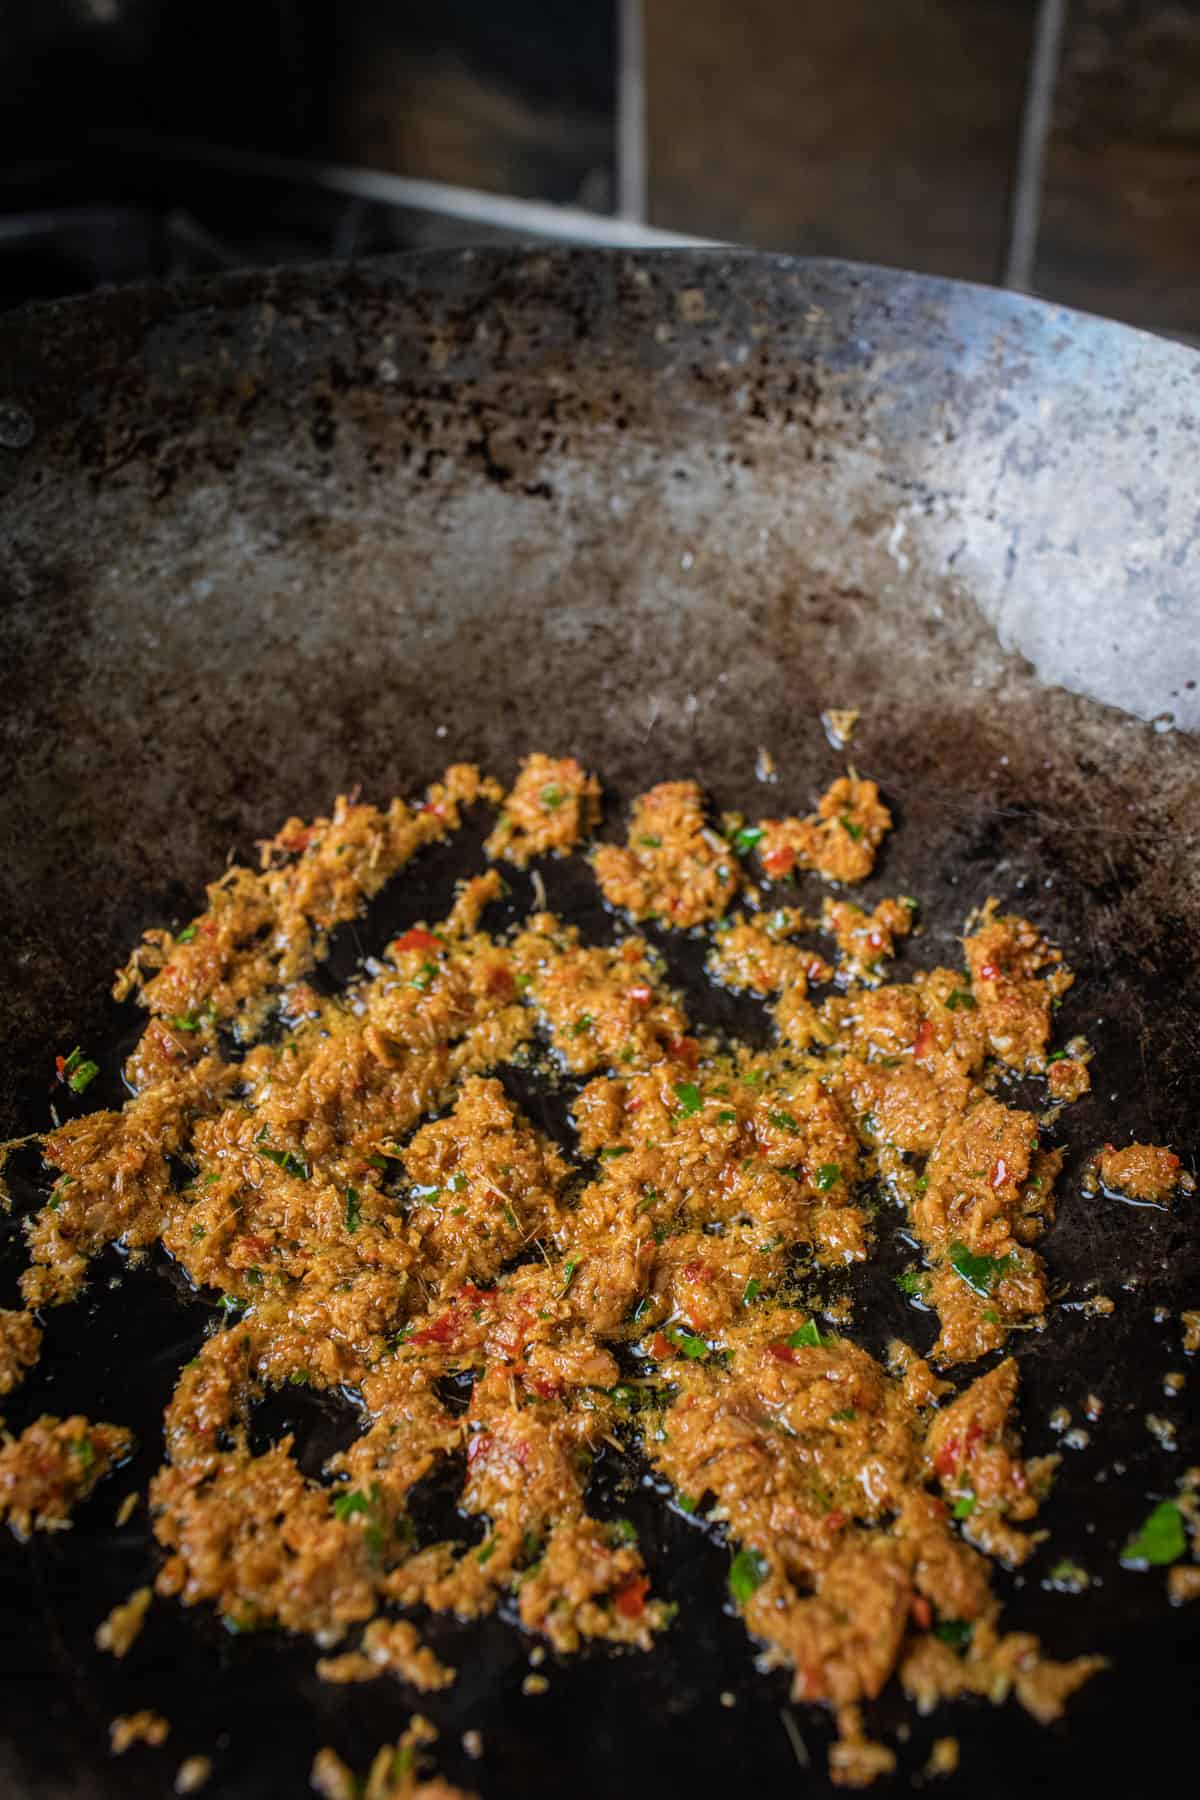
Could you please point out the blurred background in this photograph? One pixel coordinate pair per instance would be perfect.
(1050, 145)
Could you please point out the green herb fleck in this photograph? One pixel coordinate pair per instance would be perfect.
(752, 1290)
(283, 1159)
(186, 935)
(693, 1347)
(651, 843)
(582, 1024)
(959, 997)
(79, 1072)
(981, 1273)
(510, 1218)
(783, 1121)
(486, 1551)
(745, 839)
(726, 1118)
(353, 1216)
(964, 1506)
(1070, 1577)
(621, 1531)
(1159, 1540)
(851, 826)
(569, 1268)
(686, 1503)
(747, 1572)
(846, 1416)
(955, 1632)
(552, 797)
(807, 1338)
(688, 1095)
(84, 1452)
(827, 1176)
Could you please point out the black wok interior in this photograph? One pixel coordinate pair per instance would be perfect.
(268, 538)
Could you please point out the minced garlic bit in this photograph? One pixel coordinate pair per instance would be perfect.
(1190, 1321)
(119, 1631)
(535, 1684)
(144, 1727)
(472, 1743)
(1183, 1584)
(839, 723)
(127, 1508)
(332, 1778)
(1174, 1382)
(943, 1757)
(1163, 1429)
(193, 1774)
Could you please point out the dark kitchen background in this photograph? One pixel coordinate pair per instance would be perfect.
(1052, 145)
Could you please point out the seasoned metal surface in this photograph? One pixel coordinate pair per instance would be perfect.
(268, 538)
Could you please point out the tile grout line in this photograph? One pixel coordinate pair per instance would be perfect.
(631, 112)
(1025, 218)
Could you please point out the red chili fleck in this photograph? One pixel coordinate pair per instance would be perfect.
(698, 1271)
(659, 1346)
(947, 1458)
(433, 806)
(634, 1105)
(816, 970)
(499, 980)
(440, 1332)
(641, 995)
(256, 1246)
(780, 861)
(683, 1049)
(999, 1172)
(546, 1385)
(923, 1042)
(782, 1352)
(988, 972)
(299, 840)
(478, 1446)
(630, 1598)
(416, 939)
(922, 1612)
(208, 928)
(836, 1519)
(60, 1063)
(875, 940)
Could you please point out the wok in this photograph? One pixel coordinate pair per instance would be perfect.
(269, 537)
